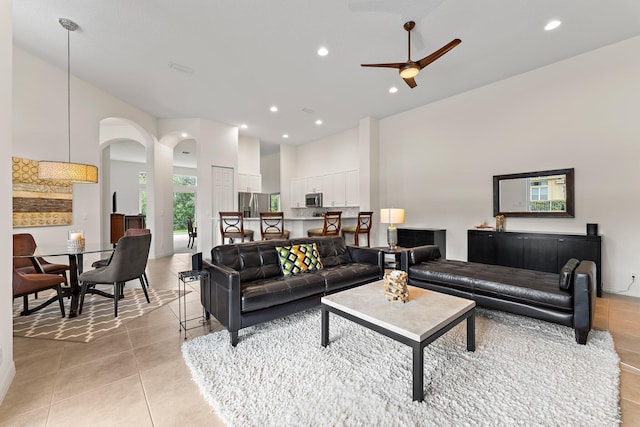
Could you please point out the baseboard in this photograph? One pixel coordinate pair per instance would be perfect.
(5, 382)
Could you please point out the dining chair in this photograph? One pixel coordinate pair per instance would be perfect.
(363, 226)
(192, 231)
(232, 227)
(129, 262)
(129, 232)
(272, 226)
(26, 284)
(24, 245)
(331, 227)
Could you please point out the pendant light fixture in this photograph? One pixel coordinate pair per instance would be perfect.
(67, 171)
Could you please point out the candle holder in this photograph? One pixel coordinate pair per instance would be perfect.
(75, 241)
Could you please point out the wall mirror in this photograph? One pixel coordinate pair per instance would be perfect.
(534, 194)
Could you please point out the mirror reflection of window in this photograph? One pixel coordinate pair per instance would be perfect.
(547, 194)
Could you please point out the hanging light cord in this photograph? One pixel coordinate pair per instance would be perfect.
(69, 91)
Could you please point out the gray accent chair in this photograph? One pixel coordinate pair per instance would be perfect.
(128, 232)
(129, 262)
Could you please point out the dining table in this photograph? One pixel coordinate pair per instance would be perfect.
(76, 259)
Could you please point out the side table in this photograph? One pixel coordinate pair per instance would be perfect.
(185, 277)
(395, 252)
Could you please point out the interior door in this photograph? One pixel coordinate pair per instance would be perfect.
(222, 197)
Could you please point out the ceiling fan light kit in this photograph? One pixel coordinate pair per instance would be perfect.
(408, 70)
(78, 173)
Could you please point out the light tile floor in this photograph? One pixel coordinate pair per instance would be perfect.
(135, 376)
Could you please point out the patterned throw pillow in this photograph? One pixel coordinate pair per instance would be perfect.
(299, 258)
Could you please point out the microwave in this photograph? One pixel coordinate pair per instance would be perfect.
(313, 200)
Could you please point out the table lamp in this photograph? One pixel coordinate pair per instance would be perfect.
(392, 216)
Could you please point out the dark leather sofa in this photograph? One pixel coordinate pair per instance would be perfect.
(567, 298)
(246, 285)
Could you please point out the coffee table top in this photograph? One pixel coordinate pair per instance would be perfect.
(424, 314)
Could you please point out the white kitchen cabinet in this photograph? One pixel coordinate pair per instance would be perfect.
(333, 186)
(298, 192)
(352, 188)
(313, 184)
(250, 183)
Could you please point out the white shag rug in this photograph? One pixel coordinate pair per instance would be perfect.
(523, 372)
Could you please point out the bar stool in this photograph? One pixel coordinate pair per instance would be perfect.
(272, 226)
(331, 227)
(362, 227)
(232, 227)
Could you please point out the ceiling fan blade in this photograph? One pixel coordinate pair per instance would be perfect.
(392, 65)
(438, 53)
(411, 82)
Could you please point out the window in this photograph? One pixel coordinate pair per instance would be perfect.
(274, 202)
(142, 193)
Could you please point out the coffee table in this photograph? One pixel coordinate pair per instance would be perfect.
(417, 323)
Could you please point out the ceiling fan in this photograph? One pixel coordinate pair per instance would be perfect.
(410, 69)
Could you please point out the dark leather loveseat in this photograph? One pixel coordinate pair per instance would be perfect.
(567, 298)
(246, 284)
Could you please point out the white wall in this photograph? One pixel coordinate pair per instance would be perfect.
(270, 171)
(337, 153)
(248, 155)
(437, 161)
(217, 146)
(40, 132)
(125, 182)
(7, 367)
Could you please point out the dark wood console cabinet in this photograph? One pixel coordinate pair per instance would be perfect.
(534, 251)
(412, 237)
(121, 222)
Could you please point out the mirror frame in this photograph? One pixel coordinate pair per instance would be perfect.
(570, 213)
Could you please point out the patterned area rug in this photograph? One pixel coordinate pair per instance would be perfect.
(524, 372)
(96, 318)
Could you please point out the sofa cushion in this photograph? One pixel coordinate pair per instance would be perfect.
(274, 291)
(253, 261)
(347, 275)
(566, 273)
(332, 250)
(299, 258)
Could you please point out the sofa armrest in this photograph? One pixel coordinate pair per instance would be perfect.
(220, 295)
(584, 299)
(417, 255)
(367, 255)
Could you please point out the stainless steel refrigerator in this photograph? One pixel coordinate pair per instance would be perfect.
(251, 204)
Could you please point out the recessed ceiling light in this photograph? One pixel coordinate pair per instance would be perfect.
(273, 109)
(285, 136)
(184, 135)
(552, 25)
(393, 89)
(318, 122)
(244, 126)
(323, 51)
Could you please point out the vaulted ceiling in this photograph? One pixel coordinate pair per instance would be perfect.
(234, 59)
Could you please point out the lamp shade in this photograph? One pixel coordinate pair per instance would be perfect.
(392, 216)
(72, 172)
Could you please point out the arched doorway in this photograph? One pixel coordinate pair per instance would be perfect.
(125, 166)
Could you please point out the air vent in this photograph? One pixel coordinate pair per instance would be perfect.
(181, 68)
(308, 110)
